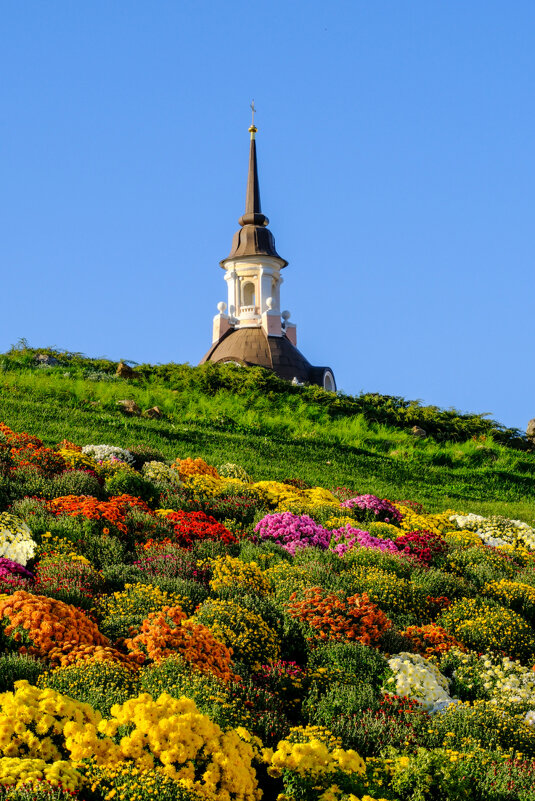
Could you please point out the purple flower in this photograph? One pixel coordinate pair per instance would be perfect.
(343, 539)
(10, 569)
(382, 509)
(293, 532)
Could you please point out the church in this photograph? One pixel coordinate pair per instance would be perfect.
(251, 329)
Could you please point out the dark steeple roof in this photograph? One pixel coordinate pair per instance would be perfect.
(253, 238)
(252, 346)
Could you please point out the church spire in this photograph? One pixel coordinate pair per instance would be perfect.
(253, 238)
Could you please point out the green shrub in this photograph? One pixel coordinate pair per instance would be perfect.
(75, 482)
(484, 626)
(14, 667)
(100, 684)
(126, 482)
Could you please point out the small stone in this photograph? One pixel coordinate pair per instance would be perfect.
(416, 431)
(129, 407)
(154, 413)
(124, 371)
(530, 430)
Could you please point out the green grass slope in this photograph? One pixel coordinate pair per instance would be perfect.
(275, 430)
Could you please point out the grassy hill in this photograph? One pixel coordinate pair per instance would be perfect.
(275, 430)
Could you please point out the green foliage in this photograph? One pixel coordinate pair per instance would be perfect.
(15, 667)
(125, 482)
(100, 684)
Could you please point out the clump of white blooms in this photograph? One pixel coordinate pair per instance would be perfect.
(509, 682)
(419, 679)
(108, 453)
(498, 531)
(162, 473)
(16, 541)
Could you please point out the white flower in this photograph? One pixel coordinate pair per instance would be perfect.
(105, 453)
(15, 539)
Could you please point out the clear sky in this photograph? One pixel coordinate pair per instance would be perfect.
(396, 153)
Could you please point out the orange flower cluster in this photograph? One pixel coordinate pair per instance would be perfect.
(431, 640)
(29, 451)
(113, 511)
(193, 467)
(21, 440)
(68, 446)
(333, 617)
(45, 460)
(40, 624)
(170, 631)
(68, 654)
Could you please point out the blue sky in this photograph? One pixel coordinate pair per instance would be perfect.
(396, 162)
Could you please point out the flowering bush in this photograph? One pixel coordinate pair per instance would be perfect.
(310, 761)
(193, 467)
(169, 632)
(514, 595)
(431, 640)
(34, 722)
(31, 773)
(229, 572)
(343, 539)
(249, 637)
(498, 531)
(99, 683)
(35, 624)
(370, 507)
(139, 600)
(423, 545)
(416, 520)
(161, 473)
(77, 460)
(190, 527)
(125, 779)
(332, 617)
(418, 678)
(107, 453)
(16, 541)
(485, 627)
(112, 513)
(293, 532)
(172, 734)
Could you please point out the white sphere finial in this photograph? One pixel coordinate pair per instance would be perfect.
(286, 315)
(221, 307)
(269, 303)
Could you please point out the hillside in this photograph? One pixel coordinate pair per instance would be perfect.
(258, 592)
(274, 430)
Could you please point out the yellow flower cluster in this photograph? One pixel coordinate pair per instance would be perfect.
(124, 780)
(15, 772)
(231, 572)
(108, 468)
(77, 460)
(203, 486)
(286, 498)
(412, 521)
(33, 722)
(341, 522)
(251, 639)
(140, 599)
(390, 592)
(514, 595)
(59, 548)
(172, 734)
(463, 539)
(311, 753)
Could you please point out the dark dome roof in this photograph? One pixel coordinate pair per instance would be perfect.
(252, 346)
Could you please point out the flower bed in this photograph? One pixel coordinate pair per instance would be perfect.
(181, 631)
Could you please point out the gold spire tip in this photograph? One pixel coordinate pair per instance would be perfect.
(253, 129)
